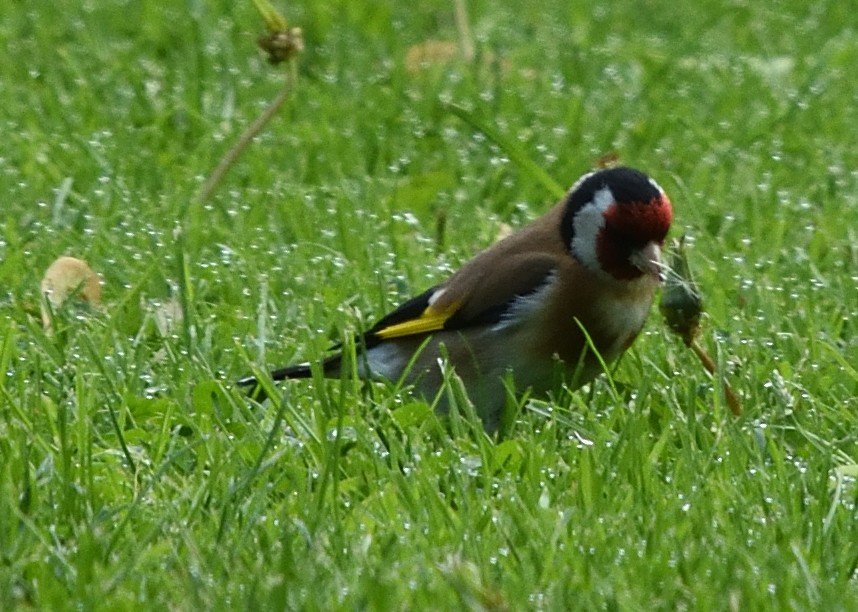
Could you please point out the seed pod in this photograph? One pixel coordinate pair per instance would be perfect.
(681, 303)
(681, 306)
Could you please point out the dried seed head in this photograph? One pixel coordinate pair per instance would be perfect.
(282, 44)
(681, 303)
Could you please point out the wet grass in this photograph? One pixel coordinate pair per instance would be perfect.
(132, 474)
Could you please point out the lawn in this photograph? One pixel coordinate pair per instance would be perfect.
(134, 474)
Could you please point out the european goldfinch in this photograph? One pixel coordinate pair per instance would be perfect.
(539, 301)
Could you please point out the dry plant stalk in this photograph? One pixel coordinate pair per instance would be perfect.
(682, 305)
(281, 43)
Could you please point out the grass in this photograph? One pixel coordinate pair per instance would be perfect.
(132, 474)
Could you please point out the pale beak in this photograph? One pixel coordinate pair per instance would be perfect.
(648, 260)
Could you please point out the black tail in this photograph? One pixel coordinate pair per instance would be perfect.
(300, 370)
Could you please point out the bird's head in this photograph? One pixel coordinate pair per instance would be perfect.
(615, 223)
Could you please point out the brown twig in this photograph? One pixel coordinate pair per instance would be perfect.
(730, 395)
(238, 148)
(282, 44)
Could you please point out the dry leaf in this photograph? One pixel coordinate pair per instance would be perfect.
(430, 53)
(168, 316)
(611, 159)
(65, 277)
(504, 230)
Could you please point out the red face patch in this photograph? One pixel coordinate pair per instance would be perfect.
(630, 226)
(640, 222)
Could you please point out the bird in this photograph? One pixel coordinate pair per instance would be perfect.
(567, 293)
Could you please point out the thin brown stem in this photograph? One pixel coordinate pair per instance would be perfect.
(709, 364)
(246, 137)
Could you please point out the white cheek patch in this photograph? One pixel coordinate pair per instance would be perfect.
(587, 224)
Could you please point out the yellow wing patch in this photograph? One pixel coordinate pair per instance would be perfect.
(429, 320)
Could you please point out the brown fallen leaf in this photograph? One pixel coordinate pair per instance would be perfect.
(431, 53)
(67, 277)
(168, 316)
(611, 159)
